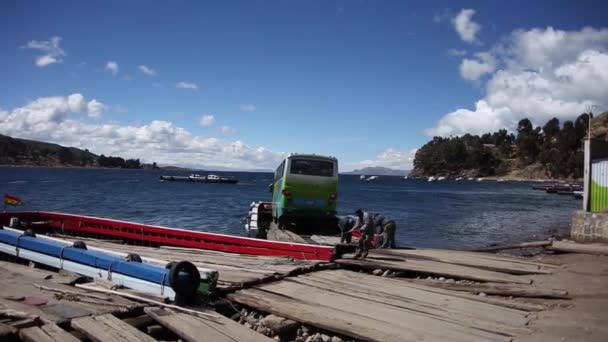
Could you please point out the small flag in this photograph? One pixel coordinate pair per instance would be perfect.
(12, 200)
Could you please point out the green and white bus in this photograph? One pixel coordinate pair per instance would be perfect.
(305, 188)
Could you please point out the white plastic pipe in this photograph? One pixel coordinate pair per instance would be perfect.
(89, 271)
(206, 274)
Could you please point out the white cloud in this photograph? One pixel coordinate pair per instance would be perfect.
(482, 119)
(229, 130)
(147, 71)
(186, 85)
(207, 120)
(49, 119)
(248, 108)
(391, 158)
(44, 114)
(95, 108)
(473, 69)
(539, 74)
(466, 28)
(52, 52)
(112, 67)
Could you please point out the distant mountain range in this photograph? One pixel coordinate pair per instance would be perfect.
(378, 171)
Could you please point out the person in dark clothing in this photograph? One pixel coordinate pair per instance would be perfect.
(389, 234)
(385, 228)
(346, 225)
(379, 228)
(365, 223)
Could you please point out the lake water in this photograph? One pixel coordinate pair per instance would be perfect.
(438, 214)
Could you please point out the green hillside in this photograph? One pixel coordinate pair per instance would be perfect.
(15, 151)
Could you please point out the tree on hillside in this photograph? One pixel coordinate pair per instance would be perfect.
(551, 130)
(65, 156)
(527, 142)
(558, 149)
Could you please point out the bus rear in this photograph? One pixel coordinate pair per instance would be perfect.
(305, 188)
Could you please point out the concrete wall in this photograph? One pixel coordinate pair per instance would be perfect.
(589, 227)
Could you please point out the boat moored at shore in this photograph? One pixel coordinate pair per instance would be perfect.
(200, 179)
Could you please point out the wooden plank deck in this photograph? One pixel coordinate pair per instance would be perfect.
(46, 333)
(107, 328)
(430, 267)
(41, 293)
(194, 329)
(382, 309)
(235, 270)
(486, 261)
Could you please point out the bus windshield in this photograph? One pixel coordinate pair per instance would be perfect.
(312, 167)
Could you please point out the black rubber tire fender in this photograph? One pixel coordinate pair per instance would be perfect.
(186, 289)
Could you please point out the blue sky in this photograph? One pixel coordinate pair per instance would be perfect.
(366, 81)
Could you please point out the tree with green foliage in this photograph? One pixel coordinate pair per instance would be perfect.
(558, 149)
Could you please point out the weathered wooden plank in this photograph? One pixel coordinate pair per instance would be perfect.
(398, 285)
(194, 329)
(514, 290)
(46, 333)
(62, 277)
(401, 311)
(20, 281)
(29, 309)
(469, 255)
(465, 259)
(531, 244)
(438, 268)
(419, 299)
(358, 325)
(109, 328)
(573, 247)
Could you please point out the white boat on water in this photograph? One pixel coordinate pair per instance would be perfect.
(459, 179)
(362, 177)
(431, 179)
(441, 178)
(479, 179)
(470, 178)
(372, 178)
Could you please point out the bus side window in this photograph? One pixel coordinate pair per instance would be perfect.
(278, 174)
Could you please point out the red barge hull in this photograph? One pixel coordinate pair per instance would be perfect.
(143, 234)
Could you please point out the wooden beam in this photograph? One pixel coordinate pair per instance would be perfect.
(361, 325)
(573, 247)
(107, 328)
(507, 290)
(438, 269)
(531, 244)
(46, 333)
(193, 329)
